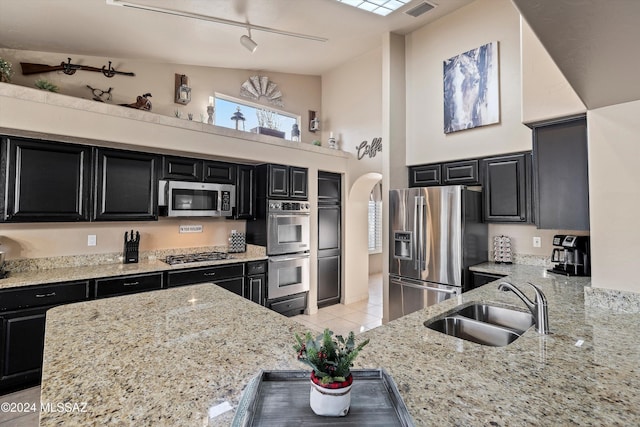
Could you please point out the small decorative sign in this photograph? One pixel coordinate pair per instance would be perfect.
(371, 150)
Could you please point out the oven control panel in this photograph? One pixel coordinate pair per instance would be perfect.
(288, 206)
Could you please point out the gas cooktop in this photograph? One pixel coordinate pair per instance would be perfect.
(197, 257)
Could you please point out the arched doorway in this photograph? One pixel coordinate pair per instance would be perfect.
(356, 238)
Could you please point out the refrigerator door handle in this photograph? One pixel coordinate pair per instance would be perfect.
(416, 213)
(420, 230)
(450, 291)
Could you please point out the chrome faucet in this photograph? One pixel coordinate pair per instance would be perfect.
(538, 308)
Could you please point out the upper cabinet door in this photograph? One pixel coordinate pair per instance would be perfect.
(425, 175)
(463, 172)
(561, 174)
(126, 186)
(299, 183)
(245, 192)
(278, 179)
(181, 168)
(46, 181)
(507, 188)
(329, 187)
(219, 172)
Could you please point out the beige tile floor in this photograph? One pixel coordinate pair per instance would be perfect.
(341, 319)
(357, 317)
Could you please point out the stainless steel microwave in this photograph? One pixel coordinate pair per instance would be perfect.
(184, 198)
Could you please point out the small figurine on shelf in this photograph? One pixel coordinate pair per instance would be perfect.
(332, 141)
(295, 132)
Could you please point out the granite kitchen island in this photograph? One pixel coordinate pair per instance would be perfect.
(167, 357)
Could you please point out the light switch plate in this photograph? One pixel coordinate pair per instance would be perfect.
(537, 242)
(92, 240)
(191, 229)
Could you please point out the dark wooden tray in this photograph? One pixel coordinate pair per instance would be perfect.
(281, 399)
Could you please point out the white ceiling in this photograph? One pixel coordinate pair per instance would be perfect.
(593, 42)
(92, 27)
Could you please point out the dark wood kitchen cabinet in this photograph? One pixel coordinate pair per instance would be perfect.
(462, 172)
(561, 174)
(219, 172)
(199, 170)
(298, 187)
(465, 172)
(45, 181)
(329, 239)
(245, 192)
(256, 283)
(131, 284)
(283, 182)
(126, 186)
(181, 168)
(22, 323)
(214, 274)
(478, 279)
(508, 188)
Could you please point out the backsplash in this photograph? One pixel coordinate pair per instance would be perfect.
(32, 264)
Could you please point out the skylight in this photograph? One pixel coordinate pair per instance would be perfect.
(379, 7)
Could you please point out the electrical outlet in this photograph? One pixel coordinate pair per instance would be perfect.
(537, 242)
(92, 240)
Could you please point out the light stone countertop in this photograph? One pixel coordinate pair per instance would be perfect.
(165, 357)
(38, 276)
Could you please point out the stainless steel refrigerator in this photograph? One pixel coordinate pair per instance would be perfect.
(436, 233)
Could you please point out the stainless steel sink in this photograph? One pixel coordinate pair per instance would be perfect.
(519, 321)
(474, 331)
(484, 324)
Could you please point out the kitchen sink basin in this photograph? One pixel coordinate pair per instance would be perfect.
(519, 321)
(484, 324)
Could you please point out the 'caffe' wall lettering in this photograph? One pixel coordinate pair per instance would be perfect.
(371, 150)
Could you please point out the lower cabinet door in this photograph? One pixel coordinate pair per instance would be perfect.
(22, 342)
(233, 285)
(256, 288)
(328, 280)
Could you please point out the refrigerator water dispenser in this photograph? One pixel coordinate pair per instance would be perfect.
(403, 240)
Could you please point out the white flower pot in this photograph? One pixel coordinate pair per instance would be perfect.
(330, 402)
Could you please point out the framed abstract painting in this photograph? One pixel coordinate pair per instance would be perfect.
(471, 89)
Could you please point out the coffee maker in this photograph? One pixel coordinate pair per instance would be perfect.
(572, 256)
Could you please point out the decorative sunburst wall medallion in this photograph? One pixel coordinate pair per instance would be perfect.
(258, 86)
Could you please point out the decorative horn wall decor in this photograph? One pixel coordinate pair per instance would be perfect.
(70, 69)
(257, 86)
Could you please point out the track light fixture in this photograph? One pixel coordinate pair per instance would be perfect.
(248, 42)
(245, 40)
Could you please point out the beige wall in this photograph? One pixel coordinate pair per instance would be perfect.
(614, 150)
(300, 93)
(352, 110)
(546, 94)
(481, 22)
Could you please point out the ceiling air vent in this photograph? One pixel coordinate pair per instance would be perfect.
(423, 7)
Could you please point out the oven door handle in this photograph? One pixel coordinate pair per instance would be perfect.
(288, 258)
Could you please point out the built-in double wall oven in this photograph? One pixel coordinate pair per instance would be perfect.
(288, 247)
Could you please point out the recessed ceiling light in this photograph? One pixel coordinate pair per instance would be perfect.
(379, 7)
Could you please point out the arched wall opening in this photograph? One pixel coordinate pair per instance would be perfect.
(356, 284)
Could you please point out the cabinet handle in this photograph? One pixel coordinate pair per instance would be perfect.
(52, 294)
(130, 283)
(209, 274)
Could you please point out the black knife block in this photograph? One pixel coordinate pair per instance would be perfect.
(131, 245)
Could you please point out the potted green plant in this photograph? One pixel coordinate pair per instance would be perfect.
(5, 71)
(331, 359)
